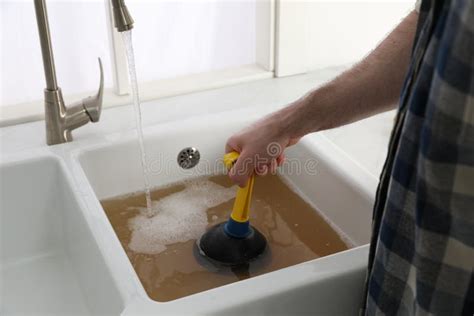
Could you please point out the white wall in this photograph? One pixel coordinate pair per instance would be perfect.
(341, 32)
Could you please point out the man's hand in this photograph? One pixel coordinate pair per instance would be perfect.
(261, 147)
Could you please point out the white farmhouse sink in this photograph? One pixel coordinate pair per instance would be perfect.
(50, 263)
(59, 255)
(340, 189)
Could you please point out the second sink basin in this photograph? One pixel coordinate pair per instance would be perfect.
(49, 261)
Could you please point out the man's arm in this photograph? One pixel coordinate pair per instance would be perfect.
(370, 87)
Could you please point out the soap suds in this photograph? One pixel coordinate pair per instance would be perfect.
(178, 217)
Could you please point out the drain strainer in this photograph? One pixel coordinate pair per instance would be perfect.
(188, 157)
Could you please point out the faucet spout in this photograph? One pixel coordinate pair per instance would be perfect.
(122, 19)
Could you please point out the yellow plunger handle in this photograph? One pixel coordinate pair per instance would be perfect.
(241, 209)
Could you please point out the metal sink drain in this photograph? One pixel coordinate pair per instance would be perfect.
(188, 157)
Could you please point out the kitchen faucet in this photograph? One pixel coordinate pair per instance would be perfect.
(61, 119)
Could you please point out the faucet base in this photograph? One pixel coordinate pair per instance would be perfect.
(59, 120)
(55, 112)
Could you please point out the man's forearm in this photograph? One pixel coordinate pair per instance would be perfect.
(370, 87)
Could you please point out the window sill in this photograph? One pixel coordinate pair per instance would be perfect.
(34, 111)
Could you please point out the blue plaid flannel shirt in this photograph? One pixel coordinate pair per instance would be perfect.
(422, 250)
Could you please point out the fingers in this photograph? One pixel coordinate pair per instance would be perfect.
(242, 170)
(273, 166)
(261, 170)
(232, 145)
(253, 158)
(246, 165)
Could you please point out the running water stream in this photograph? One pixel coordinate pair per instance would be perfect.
(127, 39)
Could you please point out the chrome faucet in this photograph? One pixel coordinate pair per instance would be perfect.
(61, 119)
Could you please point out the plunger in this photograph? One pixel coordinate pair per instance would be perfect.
(234, 242)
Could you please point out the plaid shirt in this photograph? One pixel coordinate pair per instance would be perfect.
(422, 249)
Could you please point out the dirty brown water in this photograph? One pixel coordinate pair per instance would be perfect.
(294, 230)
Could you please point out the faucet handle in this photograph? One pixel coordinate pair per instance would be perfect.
(93, 104)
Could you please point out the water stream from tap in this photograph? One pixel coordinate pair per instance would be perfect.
(127, 39)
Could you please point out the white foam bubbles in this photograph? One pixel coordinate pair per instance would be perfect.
(178, 217)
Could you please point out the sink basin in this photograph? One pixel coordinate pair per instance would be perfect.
(50, 263)
(327, 179)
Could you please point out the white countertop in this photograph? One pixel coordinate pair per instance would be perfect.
(364, 141)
